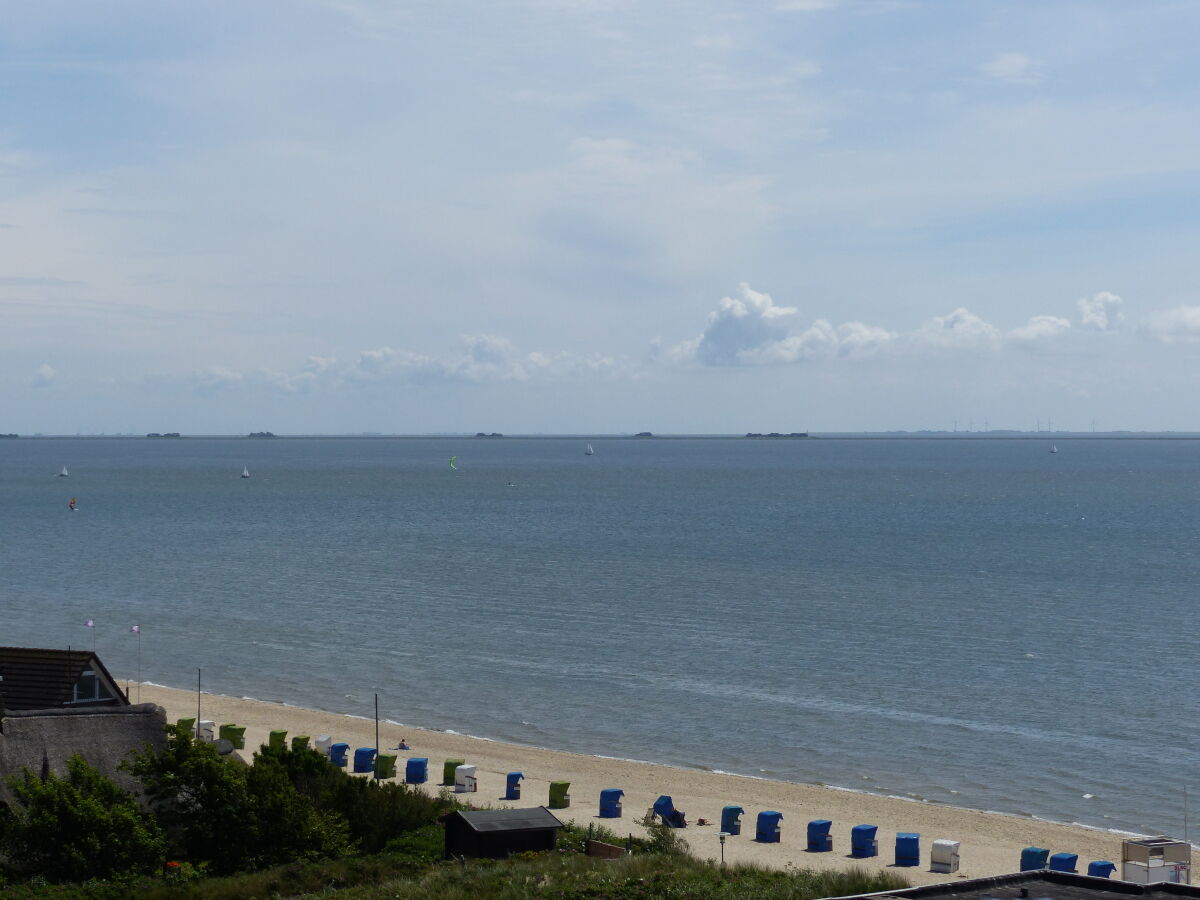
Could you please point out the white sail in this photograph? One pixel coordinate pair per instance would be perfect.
(589, 451)
(64, 473)
(245, 472)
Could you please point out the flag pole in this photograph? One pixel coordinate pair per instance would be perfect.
(377, 737)
(197, 704)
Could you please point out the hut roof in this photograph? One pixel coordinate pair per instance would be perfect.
(509, 819)
(32, 678)
(103, 735)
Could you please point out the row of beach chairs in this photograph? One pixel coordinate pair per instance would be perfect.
(1034, 858)
(864, 843)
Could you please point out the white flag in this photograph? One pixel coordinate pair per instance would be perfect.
(90, 623)
(135, 629)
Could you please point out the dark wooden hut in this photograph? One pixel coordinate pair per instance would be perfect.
(499, 833)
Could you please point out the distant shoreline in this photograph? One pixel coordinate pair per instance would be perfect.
(817, 436)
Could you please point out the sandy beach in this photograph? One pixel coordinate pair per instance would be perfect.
(991, 843)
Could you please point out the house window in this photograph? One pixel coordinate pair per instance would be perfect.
(85, 687)
(88, 689)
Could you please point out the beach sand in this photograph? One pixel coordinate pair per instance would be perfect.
(990, 843)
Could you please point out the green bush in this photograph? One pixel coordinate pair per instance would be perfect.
(77, 827)
(200, 798)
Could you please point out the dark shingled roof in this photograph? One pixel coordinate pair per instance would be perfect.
(31, 678)
(509, 819)
(1041, 885)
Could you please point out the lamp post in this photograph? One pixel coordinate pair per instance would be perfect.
(722, 836)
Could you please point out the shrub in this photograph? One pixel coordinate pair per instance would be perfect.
(78, 827)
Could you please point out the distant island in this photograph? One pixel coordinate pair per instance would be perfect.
(262, 434)
(494, 434)
(8, 435)
(165, 434)
(643, 434)
(776, 434)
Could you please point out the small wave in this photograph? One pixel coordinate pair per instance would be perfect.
(1089, 796)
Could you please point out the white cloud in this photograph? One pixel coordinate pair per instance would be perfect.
(1178, 325)
(742, 325)
(1100, 312)
(805, 5)
(961, 328)
(751, 330)
(1040, 327)
(1014, 68)
(44, 376)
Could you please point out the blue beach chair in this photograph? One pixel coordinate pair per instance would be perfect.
(767, 830)
(364, 760)
(610, 803)
(730, 821)
(908, 848)
(1033, 858)
(416, 770)
(664, 808)
(1064, 862)
(512, 786)
(1101, 868)
(819, 838)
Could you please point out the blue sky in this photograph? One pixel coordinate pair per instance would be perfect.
(598, 215)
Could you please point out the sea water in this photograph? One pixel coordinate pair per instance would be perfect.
(972, 622)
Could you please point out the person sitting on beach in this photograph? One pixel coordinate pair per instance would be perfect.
(403, 745)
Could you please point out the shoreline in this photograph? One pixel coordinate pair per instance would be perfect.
(680, 767)
(991, 841)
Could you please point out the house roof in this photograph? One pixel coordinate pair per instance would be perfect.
(32, 678)
(1040, 885)
(509, 819)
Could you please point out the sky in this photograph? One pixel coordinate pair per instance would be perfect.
(598, 216)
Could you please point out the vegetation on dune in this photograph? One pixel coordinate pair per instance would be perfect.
(292, 825)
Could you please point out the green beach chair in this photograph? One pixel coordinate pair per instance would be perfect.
(559, 798)
(448, 771)
(385, 765)
(235, 734)
(277, 740)
(300, 742)
(189, 724)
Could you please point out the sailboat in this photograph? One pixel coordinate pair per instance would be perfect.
(589, 451)
(71, 506)
(1054, 448)
(245, 472)
(64, 473)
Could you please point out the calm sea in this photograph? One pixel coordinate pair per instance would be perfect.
(973, 622)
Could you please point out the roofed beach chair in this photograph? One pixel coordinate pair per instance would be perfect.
(235, 734)
(610, 803)
(1064, 862)
(364, 760)
(767, 830)
(664, 808)
(944, 856)
(1034, 858)
(819, 838)
(277, 740)
(1101, 868)
(465, 780)
(908, 848)
(512, 785)
(416, 770)
(731, 822)
(338, 753)
(448, 768)
(862, 841)
(559, 798)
